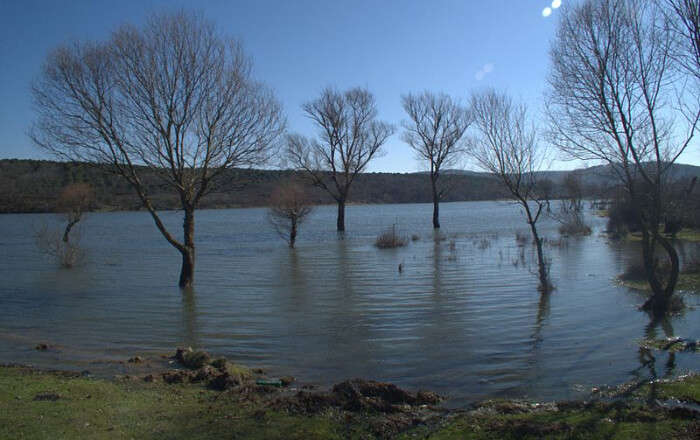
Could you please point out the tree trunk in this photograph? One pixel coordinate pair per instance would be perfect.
(541, 264)
(660, 301)
(69, 226)
(436, 203)
(341, 215)
(293, 233)
(188, 254)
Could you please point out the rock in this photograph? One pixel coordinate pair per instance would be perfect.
(224, 381)
(359, 394)
(427, 398)
(52, 397)
(219, 363)
(180, 353)
(286, 380)
(192, 359)
(42, 346)
(177, 376)
(135, 360)
(205, 374)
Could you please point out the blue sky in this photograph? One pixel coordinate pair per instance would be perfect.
(300, 46)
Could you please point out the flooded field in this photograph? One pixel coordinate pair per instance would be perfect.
(463, 317)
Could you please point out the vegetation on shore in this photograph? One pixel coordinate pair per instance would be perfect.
(31, 186)
(40, 404)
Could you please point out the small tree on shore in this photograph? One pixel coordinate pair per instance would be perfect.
(437, 124)
(505, 144)
(289, 207)
(350, 136)
(172, 98)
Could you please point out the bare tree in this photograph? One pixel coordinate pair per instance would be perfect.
(173, 98)
(684, 20)
(50, 241)
(289, 207)
(505, 144)
(73, 202)
(570, 214)
(350, 136)
(616, 98)
(434, 132)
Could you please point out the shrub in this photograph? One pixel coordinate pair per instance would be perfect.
(66, 253)
(390, 239)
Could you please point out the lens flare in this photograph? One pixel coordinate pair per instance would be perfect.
(556, 4)
(546, 12)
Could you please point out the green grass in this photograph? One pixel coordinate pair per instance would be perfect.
(632, 419)
(101, 409)
(688, 282)
(685, 234)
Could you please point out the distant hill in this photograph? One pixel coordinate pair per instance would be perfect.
(33, 185)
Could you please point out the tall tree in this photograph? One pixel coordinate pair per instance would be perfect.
(172, 96)
(437, 124)
(505, 144)
(349, 137)
(617, 98)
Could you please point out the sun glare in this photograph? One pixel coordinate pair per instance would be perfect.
(556, 4)
(546, 12)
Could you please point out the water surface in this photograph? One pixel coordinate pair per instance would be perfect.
(463, 317)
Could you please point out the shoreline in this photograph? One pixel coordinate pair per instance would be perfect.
(198, 396)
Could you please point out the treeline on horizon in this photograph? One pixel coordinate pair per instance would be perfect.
(32, 186)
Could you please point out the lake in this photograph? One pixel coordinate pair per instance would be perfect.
(463, 318)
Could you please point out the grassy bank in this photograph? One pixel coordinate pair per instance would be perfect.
(35, 404)
(685, 234)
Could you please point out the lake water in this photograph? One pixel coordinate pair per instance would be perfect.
(464, 317)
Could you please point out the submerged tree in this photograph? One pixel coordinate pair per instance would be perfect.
(350, 136)
(617, 97)
(289, 207)
(73, 202)
(505, 144)
(172, 98)
(434, 132)
(570, 214)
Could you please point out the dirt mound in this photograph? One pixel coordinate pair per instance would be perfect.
(358, 395)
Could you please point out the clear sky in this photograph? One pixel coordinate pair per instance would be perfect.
(299, 46)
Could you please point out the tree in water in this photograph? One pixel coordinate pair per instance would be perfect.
(618, 96)
(289, 207)
(63, 243)
(73, 202)
(172, 98)
(505, 144)
(437, 124)
(349, 137)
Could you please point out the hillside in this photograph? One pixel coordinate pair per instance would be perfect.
(33, 185)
